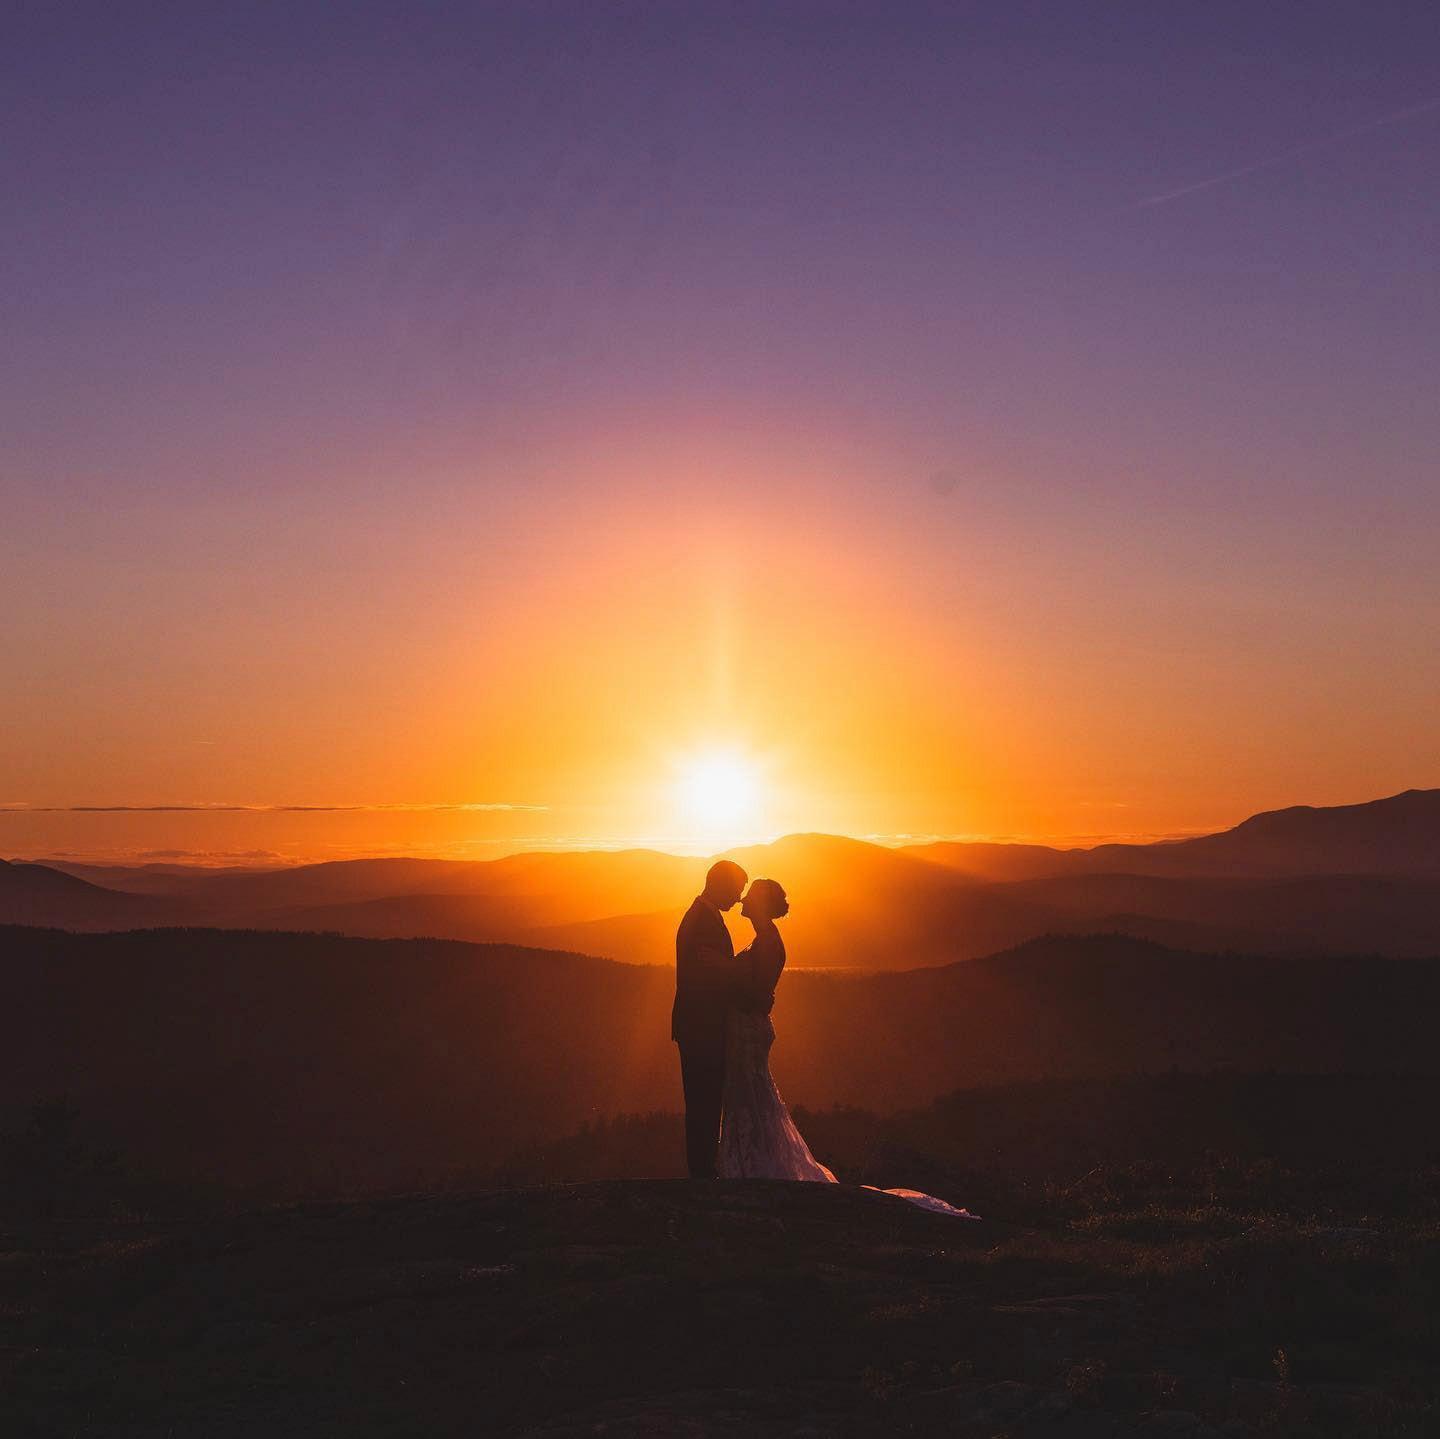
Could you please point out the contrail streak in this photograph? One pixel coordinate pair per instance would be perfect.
(1394, 117)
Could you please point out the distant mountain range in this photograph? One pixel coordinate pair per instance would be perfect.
(320, 1061)
(1350, 879)
(1395, 836)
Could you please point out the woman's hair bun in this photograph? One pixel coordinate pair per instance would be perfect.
(775, 900)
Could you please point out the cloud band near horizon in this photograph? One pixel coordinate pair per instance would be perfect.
(454, 807)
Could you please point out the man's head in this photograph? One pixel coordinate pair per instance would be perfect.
(725, 883)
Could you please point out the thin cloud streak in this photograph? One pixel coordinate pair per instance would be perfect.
(270, 808)
(1393, 118)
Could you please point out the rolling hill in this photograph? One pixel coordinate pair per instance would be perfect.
(564, 887)
(313, 1061)
(40, 894)
(1353, 879)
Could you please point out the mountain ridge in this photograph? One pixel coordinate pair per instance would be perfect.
(1328, 879)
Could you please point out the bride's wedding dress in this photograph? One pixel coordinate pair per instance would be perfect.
(758, 1138)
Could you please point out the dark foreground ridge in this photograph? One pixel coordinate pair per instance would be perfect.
(297, 1065)
(655, 1307)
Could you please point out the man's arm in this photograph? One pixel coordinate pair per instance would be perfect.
(712, 957)
(721, 969)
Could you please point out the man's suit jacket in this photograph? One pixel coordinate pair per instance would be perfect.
(704, 976)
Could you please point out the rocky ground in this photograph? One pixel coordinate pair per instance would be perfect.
(637, 1308)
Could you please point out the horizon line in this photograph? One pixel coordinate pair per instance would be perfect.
(675, 847)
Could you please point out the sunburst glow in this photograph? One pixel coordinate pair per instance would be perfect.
(716, 790)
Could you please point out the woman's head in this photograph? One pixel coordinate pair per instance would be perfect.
(764, 900)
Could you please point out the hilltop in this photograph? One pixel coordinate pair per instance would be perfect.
(1397, 835)
(650, 1307)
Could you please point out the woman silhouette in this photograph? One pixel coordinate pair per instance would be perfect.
(758, 1138)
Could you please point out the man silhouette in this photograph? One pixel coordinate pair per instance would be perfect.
(706, 974)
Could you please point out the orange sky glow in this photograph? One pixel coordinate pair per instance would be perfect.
(466, 678)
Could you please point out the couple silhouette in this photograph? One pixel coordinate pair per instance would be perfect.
(721, 1023)
(736, 1124)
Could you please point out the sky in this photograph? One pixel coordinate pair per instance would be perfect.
(430, 428)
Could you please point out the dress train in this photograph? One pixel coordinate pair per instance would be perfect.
(758, 1138)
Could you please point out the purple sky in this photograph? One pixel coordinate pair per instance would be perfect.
(277, 279)
(251, 229)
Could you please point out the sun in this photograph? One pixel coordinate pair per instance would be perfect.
(716, 790)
